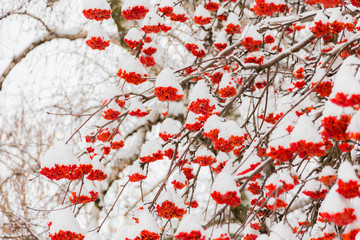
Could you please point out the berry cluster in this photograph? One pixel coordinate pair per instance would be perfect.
(66, 235)
(135, 12)
(132, 77)
(169, 210)
(168, 94)
(83, 199)
(263, 8)
(229, 198)
(97, 14)
(98, 43)
(189, 236)
(250, 44)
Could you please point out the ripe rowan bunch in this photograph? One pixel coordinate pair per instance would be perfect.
(269, 99)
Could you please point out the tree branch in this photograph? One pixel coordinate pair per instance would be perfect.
(29, 15)
(32, 46)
